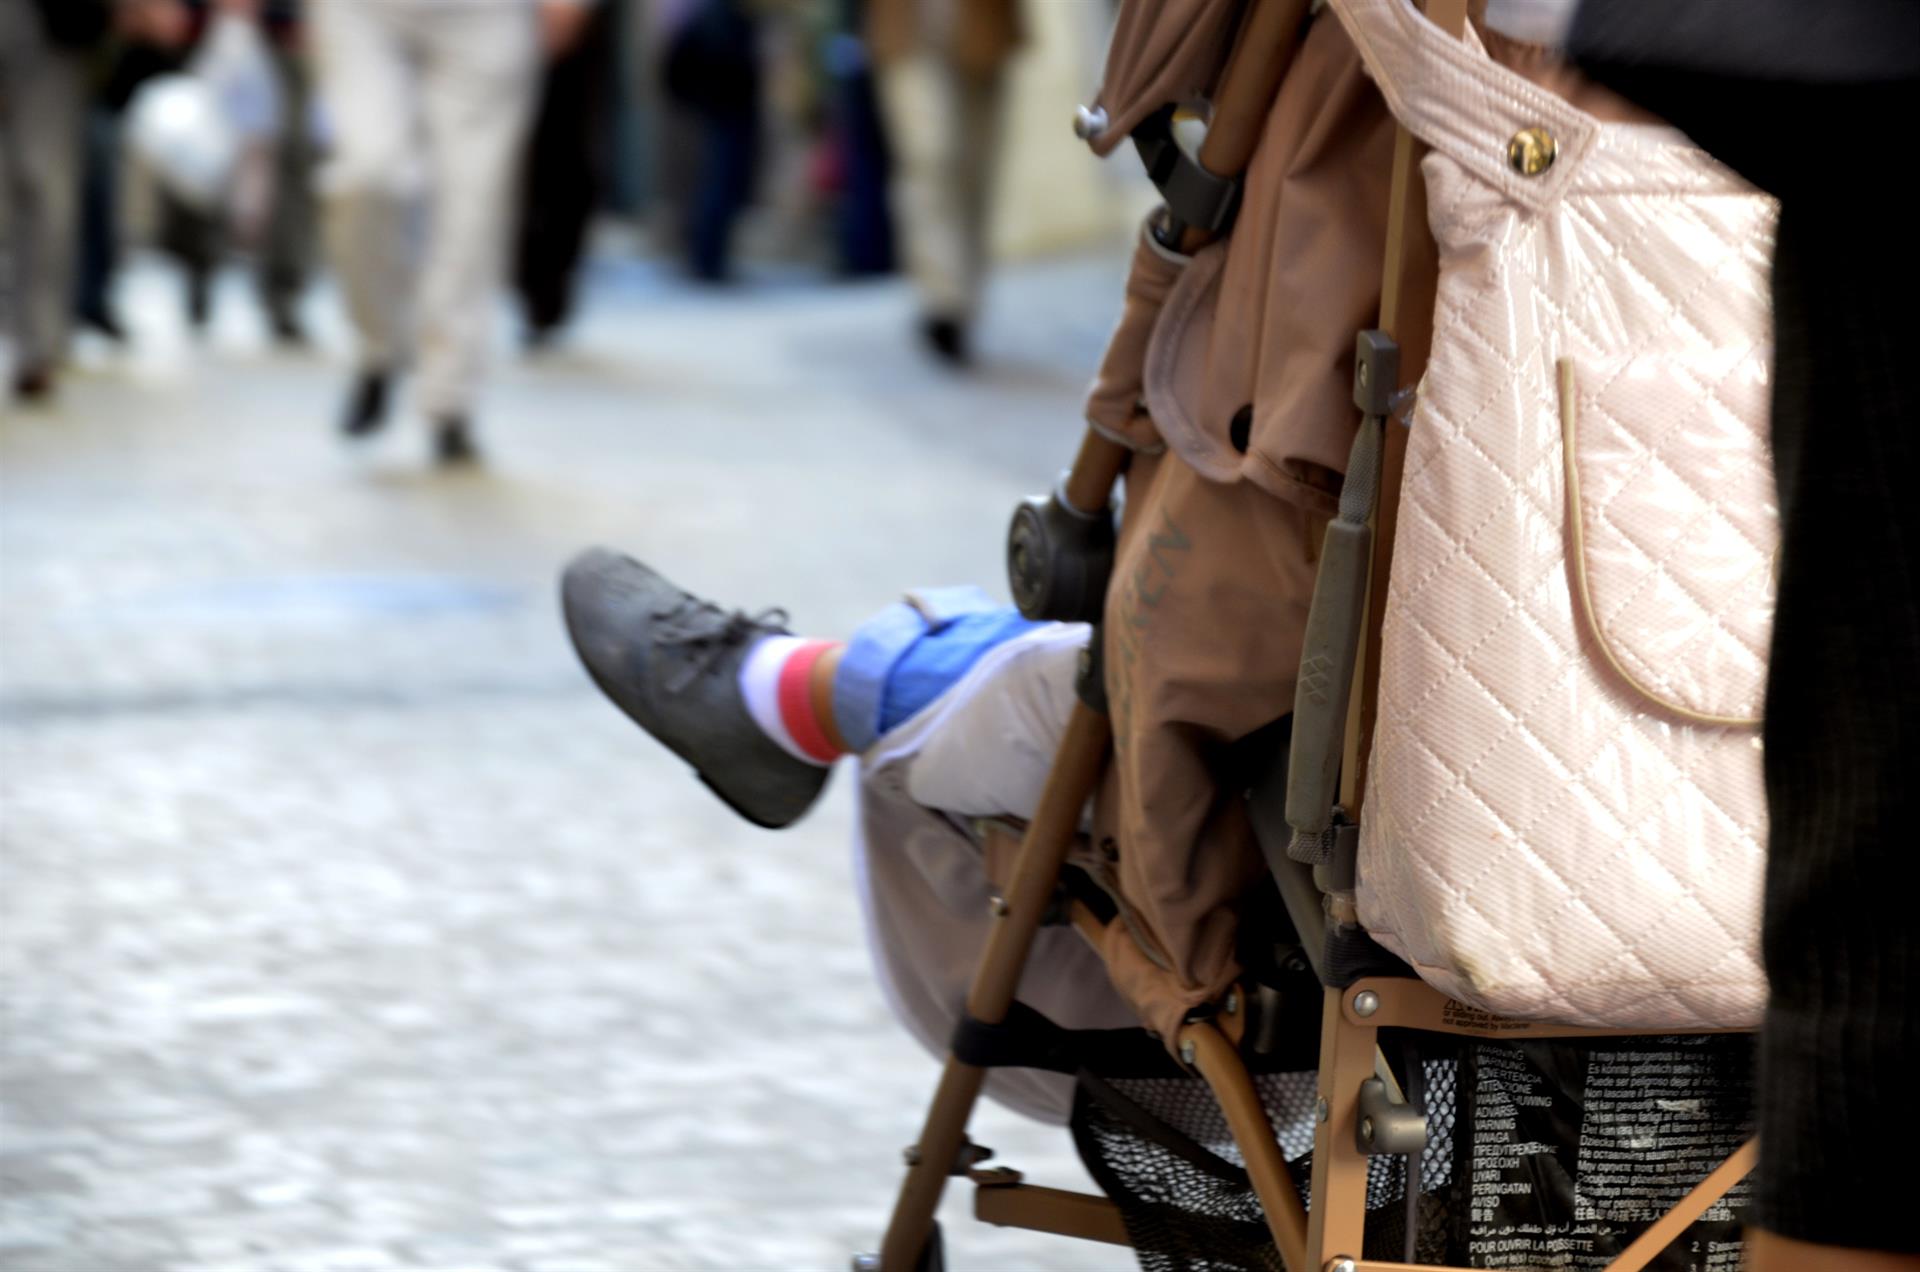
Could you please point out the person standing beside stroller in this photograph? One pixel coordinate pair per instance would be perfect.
(1801, 100)
(428, 97)
(941, 67)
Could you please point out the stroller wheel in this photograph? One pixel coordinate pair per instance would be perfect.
(933, 1257)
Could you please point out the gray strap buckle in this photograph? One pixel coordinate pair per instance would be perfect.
(1195, 198)
(1335, 620)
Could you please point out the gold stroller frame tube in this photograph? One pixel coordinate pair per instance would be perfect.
(1043, 850)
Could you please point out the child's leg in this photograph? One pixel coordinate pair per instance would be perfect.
(759, 712)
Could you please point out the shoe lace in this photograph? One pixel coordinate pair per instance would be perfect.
(708, 633)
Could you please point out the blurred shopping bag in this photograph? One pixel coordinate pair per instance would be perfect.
(204, 133)
(236, 66)
(175, 128)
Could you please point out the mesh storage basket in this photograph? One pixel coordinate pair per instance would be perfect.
(1549, 1154)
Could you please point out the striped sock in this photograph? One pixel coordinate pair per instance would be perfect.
(777, 681)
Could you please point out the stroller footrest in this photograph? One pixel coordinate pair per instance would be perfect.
(1055, 1210)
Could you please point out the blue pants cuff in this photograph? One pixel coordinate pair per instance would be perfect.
(908, 654)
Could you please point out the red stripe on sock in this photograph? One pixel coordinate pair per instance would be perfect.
(796, 702)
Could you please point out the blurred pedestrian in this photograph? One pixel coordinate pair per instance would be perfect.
(44, 45)
(712, 69)
(243, 61)
(434, 98)
(864, 222)
(566, 172)
(941, 68)
(847, 163)
(290, 232)
(151, 38)
(98, 253)
(207, 120)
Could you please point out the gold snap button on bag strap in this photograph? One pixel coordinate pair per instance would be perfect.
(1531, 152)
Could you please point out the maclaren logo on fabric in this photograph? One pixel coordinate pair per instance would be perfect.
(1141, 595)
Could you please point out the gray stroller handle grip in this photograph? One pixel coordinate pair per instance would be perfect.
(1327, 656)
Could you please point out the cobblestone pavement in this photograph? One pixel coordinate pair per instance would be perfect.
(342, 926)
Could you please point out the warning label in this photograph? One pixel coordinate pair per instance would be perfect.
(1572, 1148)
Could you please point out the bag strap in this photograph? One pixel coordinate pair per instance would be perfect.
(1447, 21)
(1335, 697)
(1449, 94)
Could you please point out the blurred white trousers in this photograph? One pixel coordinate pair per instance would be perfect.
(943, 125)
(429, 102)
(41, 97)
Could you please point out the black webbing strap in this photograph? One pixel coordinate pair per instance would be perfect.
(1195, 197)
(1077, 885)
(1028, 1040)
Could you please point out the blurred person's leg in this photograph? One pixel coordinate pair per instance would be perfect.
(99, 250)
(563, 178)
(370, 185)
(478, 79)
(729, 144)
(925, 104)
(1842, 733)
(866, 225)
(757, 711)
(711, 65)
(1842, 730)
(981, 101)
(193, 237)
(41, 116)
(286, 253)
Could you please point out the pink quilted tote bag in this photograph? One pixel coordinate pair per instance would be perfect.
(1565, 818)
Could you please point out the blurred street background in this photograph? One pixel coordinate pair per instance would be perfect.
(343, 925)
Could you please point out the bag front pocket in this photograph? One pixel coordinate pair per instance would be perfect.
(1672, 526)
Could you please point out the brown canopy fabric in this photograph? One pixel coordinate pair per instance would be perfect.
(1210, 589)
(1161, 52)
(1209, 597)
(1263, 320)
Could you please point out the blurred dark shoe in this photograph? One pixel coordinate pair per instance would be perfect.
(33, 383)
(453, 442)
(366, 404)
(947, 337)
(671, 661)
(541, 337)
(286, 328)
(104, 322)
(199, 298)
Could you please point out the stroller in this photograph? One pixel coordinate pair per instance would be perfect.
(1360, 1093)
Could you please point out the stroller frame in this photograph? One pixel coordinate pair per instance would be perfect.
(1358, 1115)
